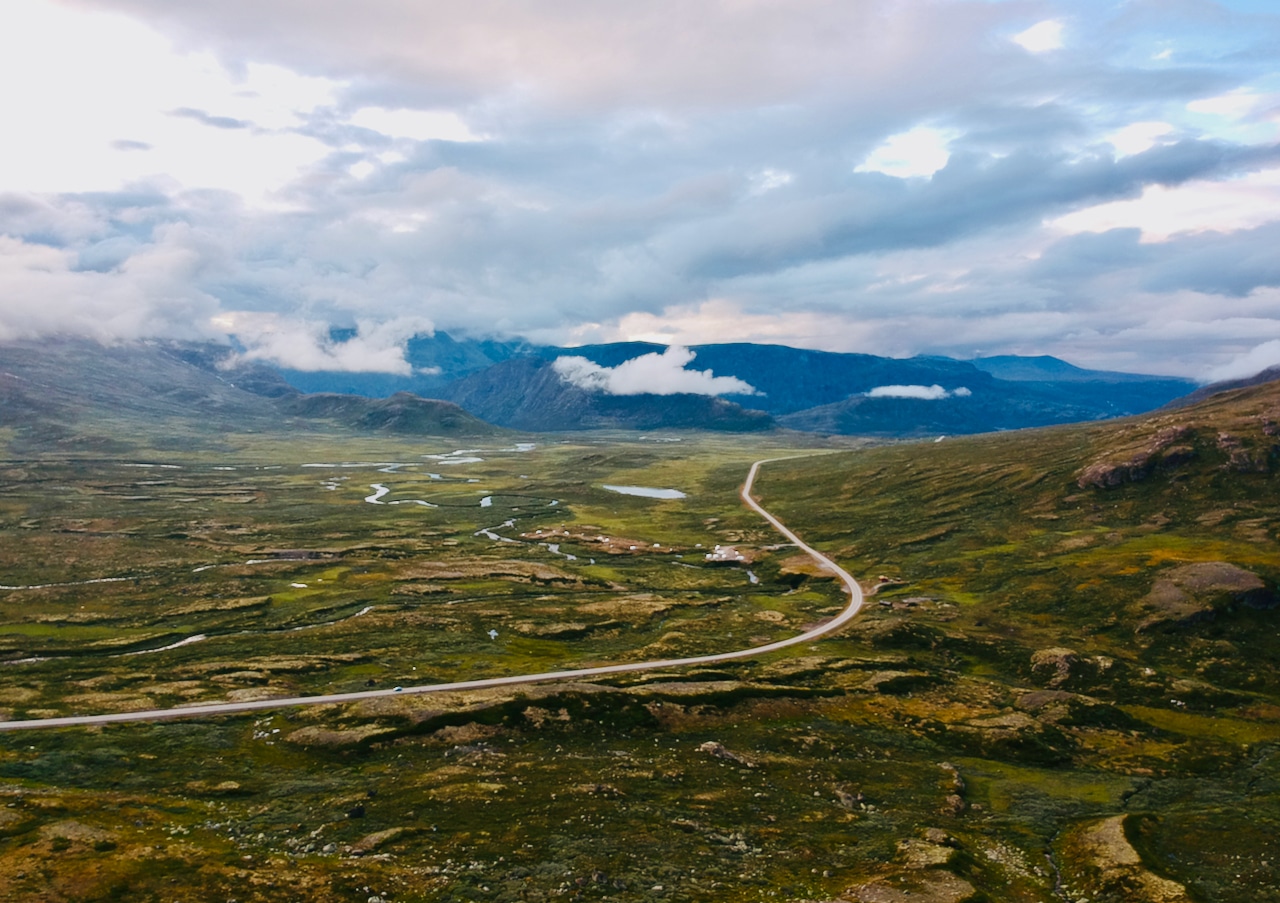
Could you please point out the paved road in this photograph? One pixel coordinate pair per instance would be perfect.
(222, 708)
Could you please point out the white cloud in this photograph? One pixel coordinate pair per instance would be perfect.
(1253, 361)
(1196, 206)
(92, 101)
(1233, 105)
(1041, 37)
(43, 292)
(652, 374)
(305, 344)
(1138, 137)
(922, 151)
(924, 393)
(418, 125)
(769, 179)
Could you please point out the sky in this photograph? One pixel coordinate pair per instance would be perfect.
(1095, 179)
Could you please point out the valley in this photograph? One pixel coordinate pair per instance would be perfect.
(1064, 686)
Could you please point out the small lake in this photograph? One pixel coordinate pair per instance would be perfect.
(647, 492)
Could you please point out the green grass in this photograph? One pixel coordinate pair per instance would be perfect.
(605, 792)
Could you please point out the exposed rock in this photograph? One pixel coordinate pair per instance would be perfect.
(565, 631)
(1113, 866)
(1013, 736)
(538, 716)
(1130, 465)
(1196, 592)
(75, 831)
(1057, 661)
(316, 736)
(1243, 457)
(9, 817)
(928, 886)
(462, 734)
(923, 854)
(223, 788)
(955, 804)
(848, 800)
(714, 748)
(892, 682)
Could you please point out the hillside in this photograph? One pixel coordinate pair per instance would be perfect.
(1203, 393)
(402, 413)
(1105, 601)
(74, 393)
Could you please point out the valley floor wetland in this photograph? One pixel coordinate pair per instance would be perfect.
(1066, 686)
(224, 708)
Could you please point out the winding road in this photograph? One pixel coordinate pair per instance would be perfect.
(223, 708)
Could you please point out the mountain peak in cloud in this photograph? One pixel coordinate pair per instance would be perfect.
(308, 345)
(649, 374)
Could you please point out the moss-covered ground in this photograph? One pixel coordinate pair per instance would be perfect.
(998, 725)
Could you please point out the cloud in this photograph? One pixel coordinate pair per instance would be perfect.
(44, 291)
(217, 122)
(420, 125)
(1251, 362)
(922, 151)
(307, 345)
(689, 172)
(1041, 37)
(924, 393)
(649, 374)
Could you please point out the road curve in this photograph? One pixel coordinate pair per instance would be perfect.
(223, 708)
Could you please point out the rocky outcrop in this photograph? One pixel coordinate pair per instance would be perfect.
(921, 875)
(1166, 449)
(1112, 868)
(1056, 662)
(1197, 592)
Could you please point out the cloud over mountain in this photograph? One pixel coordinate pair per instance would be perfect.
(651, 374)
(924, 393)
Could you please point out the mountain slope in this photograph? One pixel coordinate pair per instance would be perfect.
(1099, 604)
(1044, 368)
(527, 393)
(72, 391)
(1201, 394)
(402, 413)
(794, 379)
(826, 392)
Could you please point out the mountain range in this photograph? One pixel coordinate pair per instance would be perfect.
(514, 384)
(469, 387)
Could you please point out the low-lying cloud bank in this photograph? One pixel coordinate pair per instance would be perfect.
(649, 374)
(924, 393)
(307, 345)
(1252, 362)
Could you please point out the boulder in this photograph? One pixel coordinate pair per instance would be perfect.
(1197, 592)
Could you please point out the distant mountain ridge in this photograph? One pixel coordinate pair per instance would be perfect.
(511, 384)
(829, 392)
(462, 386)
